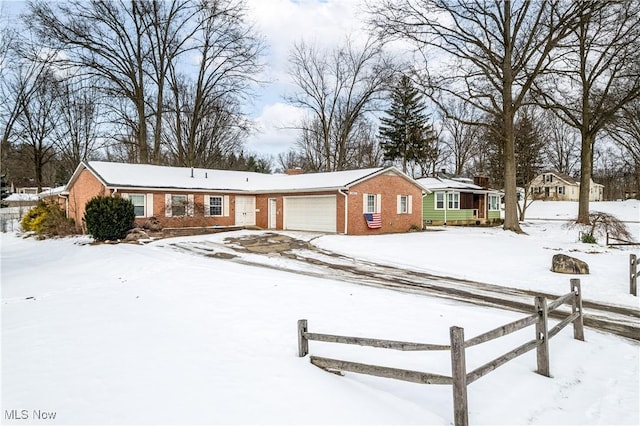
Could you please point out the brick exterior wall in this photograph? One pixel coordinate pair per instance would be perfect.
(84, 188)
(389, 186)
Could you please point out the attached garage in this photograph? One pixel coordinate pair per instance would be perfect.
(310, 213)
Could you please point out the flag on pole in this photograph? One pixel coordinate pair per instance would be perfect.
(374, 220)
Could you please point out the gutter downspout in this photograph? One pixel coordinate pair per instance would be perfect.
(346, 208)
(446, 206)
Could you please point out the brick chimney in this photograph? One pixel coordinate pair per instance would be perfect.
(482, 181)
(294, 171)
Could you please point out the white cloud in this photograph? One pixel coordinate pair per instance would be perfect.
(283, 23)
(274, 129)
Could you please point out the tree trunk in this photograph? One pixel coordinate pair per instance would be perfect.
(586, 168)
(510, 194)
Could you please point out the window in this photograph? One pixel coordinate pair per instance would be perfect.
(548, 178)
(561, 190)
(178, 205)
(215, 206)
(404, 204)
(371, 203)
(453, 200)
(494, 202)
(138, 204)
(439, 200)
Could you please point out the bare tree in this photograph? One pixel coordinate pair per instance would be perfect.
(599, 74)
(77, 134)
(625, 131)
(169, 32)
(205, 120)
(21, 80)
(35, 126)
(105, 38)
(562, 151)
(461, 138)
(493, 51)
(337, 88)
(140, 52)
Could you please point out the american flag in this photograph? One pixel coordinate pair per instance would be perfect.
(374, 220)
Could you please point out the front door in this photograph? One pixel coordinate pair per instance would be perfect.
(272, 213)
(245, 211)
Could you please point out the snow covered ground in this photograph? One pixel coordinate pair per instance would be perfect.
(144, 334)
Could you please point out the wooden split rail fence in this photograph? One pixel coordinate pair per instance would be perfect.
(633, 274)
(459, 378)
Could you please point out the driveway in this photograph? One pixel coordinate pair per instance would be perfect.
(268, 248)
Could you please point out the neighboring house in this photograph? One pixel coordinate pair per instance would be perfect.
(21, 200)
(554, 186)
(354, 202)
(459, 201)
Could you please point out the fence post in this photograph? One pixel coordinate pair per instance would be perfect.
(542, 336)
(576, 306)
(633, 274)
(459, 377)
(303, 343)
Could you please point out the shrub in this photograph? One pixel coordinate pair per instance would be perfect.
(600, 225)
(588, 238)
(109, 218)
(47, 219)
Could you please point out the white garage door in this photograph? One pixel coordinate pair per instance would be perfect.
(310, 213)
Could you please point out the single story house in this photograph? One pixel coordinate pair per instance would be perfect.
(458, 201)
(554, 186)
(354, 202)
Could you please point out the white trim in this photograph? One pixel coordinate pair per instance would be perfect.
(207, 205)
(190, 203)
(167, 205)
(225, 206)
(149, 207)
(444, 200)
(451, 205)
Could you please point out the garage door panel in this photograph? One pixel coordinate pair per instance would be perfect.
(310, 213)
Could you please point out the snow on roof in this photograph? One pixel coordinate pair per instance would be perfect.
(52, 191)
(434, 183)
(22, 197)
(149, 176)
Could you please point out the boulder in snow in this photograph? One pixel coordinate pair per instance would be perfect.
(564, 264)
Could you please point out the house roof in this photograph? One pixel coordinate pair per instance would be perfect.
(440, 183)
(565, 177)
(122, 175)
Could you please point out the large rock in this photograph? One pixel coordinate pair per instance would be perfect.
(136, 234)
(564, 264)
(152, 224)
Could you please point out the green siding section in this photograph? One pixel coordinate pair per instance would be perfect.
(494, 214)
(429, 211)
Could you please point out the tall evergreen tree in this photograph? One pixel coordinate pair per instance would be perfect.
(406, 134)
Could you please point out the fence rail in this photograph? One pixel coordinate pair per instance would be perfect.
(459, 378)
(633, 274)
(611, 241)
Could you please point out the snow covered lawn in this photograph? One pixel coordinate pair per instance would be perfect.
(132, 334)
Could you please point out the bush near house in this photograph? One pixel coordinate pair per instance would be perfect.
(47, 219)
(109, 218)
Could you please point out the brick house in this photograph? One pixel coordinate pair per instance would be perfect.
(353, 202)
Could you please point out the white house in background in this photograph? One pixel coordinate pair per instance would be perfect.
(554, 186)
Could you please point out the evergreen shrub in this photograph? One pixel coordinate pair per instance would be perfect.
(109, 218)
(47, 219)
